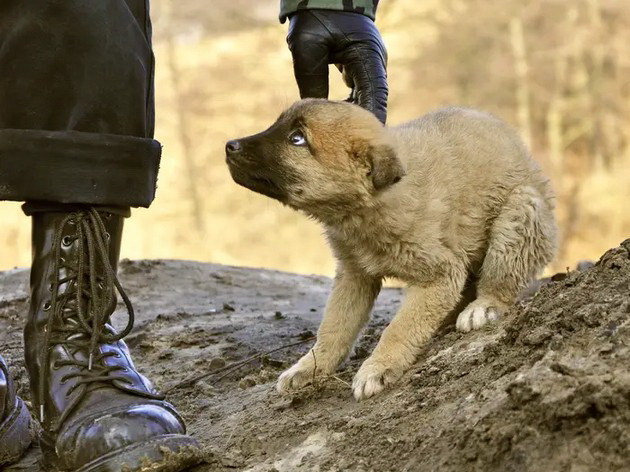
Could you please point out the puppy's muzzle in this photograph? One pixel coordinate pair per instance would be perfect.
(251, 170)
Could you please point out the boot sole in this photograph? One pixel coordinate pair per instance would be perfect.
(168, 453)
(15, 433)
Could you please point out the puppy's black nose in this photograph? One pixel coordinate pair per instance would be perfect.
(233, 147)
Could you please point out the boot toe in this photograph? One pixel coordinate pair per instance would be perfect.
(133, 436)
(15, 433)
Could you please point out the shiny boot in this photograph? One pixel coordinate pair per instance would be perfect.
(98, 413)
(15, 434)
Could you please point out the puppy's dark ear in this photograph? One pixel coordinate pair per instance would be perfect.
(386, 167)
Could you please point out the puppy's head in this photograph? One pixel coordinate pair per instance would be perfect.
(319, 156)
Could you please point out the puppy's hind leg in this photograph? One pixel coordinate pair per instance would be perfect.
(522, 241)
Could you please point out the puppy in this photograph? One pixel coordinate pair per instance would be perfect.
(450, 199)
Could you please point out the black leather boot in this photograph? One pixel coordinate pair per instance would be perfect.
(15, 434)
(97, 412)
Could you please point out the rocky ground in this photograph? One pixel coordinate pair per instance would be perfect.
(545, 389)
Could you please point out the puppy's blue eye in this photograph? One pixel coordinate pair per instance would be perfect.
(297, 138)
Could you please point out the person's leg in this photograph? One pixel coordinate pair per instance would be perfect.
(351, 41)
(76, 143)
(360, 48)
(309, 43)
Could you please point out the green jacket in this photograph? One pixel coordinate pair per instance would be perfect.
(365, 7)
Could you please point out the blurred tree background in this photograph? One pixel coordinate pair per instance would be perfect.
(557, 70)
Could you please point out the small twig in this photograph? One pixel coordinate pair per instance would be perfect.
(315, 362)
(342, 381)
(323, 380)
(227, 370)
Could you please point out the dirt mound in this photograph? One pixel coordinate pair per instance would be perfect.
(547, 388)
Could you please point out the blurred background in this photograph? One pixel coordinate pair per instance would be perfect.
(558, 70)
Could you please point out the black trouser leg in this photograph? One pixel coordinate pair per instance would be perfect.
(319, 37)
(76, 102)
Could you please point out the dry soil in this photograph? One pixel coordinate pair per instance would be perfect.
(545, 389)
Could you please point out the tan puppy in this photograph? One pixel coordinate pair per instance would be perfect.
(450, 198)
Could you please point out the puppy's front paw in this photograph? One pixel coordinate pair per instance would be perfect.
(298, 376)
(372, 378)
(305, 371)
(476, 315)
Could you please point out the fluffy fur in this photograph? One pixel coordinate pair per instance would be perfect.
(451, 203)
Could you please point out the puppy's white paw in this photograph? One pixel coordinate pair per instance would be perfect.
(372, 378)
(298, 376)
(476, 315)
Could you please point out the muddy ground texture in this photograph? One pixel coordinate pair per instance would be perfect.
(545, 389)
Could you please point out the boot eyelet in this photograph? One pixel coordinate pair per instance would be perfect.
(46, 306)
(67, 241)
(107, 236)
(55, 366)
(62, 260)
(100, 285)
(107, 215)
(50, 287)
(117, 355)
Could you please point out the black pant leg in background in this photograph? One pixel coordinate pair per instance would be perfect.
(76, 102)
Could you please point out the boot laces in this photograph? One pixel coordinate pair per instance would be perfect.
(80, 326)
